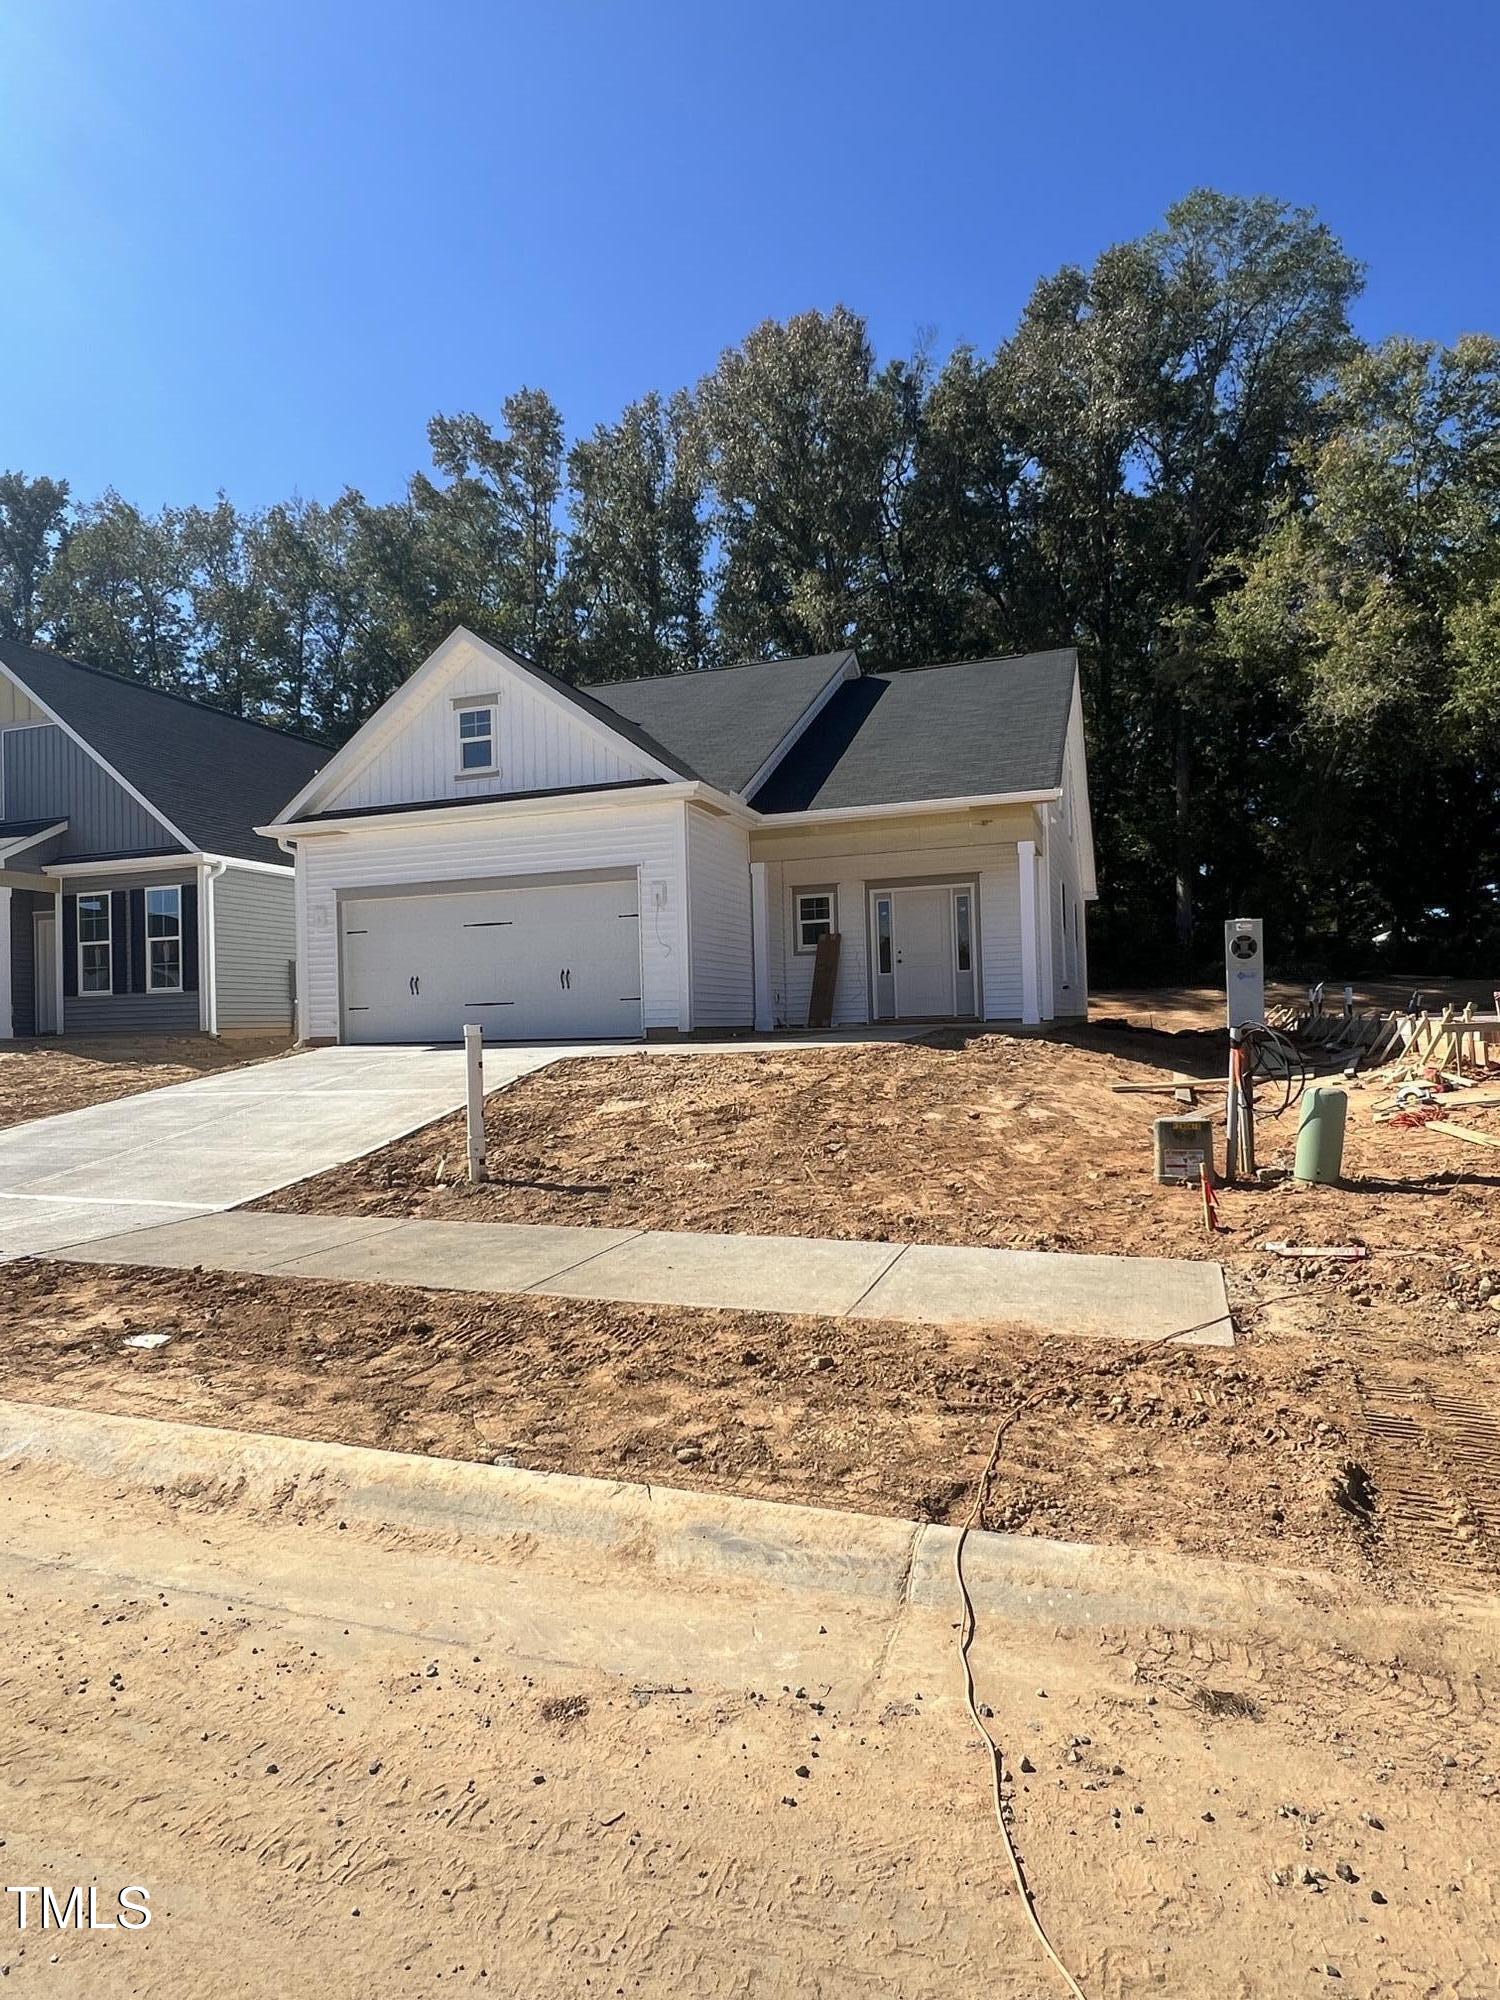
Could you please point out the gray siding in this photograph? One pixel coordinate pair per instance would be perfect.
(23, 904)
(131, 1013)
(255, 940)
(48, 776)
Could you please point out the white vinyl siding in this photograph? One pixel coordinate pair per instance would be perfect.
(541, 743)
(854, 857)
(389, 854)
(255, 941)
(719, 887)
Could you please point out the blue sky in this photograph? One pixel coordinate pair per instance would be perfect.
(256, 243)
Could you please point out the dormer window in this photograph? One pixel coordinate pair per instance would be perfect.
(476, 738)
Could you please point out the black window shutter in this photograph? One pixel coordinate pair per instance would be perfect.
(70, 947)
(137, 940)
(190, 937)
(119, 942)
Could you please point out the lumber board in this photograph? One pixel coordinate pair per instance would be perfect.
(1451, 1131)
(1164, 1089)
(824, 979)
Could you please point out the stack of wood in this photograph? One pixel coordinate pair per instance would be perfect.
(1435, 1064)
(1463, 1042)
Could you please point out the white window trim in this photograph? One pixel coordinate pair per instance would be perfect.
(164, 889)
(83, 944)
(799, 896)
(477, 705)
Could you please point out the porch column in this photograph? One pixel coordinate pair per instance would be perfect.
(7, 997)
(760, 946)
(1030, 981)
(1046, 928)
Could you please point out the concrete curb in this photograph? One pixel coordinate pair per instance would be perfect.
(864, 1564)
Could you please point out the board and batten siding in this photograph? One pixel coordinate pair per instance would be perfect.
(377, 855)
(24, 904)
(852, 858)
(49, 776)
(719, 919)
(255, 942)
(132, 1013)
(541, 745)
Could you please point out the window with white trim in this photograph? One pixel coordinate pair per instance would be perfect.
(817, 916)
(164, 940)
(94, 945)
(476, 739)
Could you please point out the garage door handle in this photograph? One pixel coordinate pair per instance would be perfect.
(416, 985)
(565, 979)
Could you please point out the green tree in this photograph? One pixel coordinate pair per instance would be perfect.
(33, 528)
(492, 529)
(1376, 608)
(633, 583)
(116, 595)
(797, 434)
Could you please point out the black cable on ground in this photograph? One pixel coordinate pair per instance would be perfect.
(969, 1622)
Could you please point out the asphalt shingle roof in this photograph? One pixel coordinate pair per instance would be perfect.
(215, 777)
(724, 722)
(973, 729)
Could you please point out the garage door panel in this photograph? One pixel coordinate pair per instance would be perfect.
(528, 964)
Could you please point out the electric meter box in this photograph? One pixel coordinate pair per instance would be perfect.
(1245, 972)
(1184, 1148)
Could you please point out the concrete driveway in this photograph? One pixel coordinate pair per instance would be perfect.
(221, 1140)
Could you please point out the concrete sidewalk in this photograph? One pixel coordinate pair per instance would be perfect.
(1124, 1298)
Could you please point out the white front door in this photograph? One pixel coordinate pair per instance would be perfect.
(924, 953)
(44, 970)
(529, 964)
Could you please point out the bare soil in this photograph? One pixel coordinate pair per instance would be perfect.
(42, 1077)
(1243, 1452)
(342, 1805)
(1176, 1007)
(979, 1139)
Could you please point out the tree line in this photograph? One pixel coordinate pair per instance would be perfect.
(1277, 547)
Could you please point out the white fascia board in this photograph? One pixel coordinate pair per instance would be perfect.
(132, 864)
(847, 670)
(89, 751)
(1083, 817)
(255, 867)
(626, 799)
(377, 730)
(10, 847)
(905, 808)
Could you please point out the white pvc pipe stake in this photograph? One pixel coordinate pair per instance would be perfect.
(474, 1066)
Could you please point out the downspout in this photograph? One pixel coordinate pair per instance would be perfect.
(299, 941)
(208, 970)
(59, 1002)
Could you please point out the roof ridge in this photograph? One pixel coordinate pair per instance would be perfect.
(166, 694)
(978, 660)
(732, 667)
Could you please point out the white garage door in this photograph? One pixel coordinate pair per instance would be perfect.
(554, 963)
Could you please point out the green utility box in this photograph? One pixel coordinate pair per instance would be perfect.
(1184, 1147)
(1320, 1137)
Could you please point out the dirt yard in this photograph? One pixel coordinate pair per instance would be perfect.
(39, 1078)
(248, 1713)
(991, 1139)
(1244, 1452)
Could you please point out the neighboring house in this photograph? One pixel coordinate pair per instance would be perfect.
(135, 893)
(663, 855)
